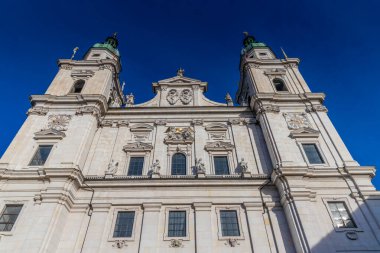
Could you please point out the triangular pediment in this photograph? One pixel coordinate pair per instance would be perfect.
(49, 134)
(180, 79)
(304, 132)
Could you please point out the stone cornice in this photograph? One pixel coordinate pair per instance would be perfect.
(69, 64)
(292, 62)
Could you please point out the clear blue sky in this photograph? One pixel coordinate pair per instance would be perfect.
(337, 42)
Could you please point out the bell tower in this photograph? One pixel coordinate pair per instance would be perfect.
(63, 121)
(304, 146)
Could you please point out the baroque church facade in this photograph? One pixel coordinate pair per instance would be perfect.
(91, 171)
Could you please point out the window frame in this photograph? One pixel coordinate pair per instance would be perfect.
(35, 149)
(129, 155)
(19, 217)
(349, 210)
(230, 160)
(317, 144)
(166, 232)
(186, 163)
(228, 165)
(238, 210)
(129, 164)
(137, 222)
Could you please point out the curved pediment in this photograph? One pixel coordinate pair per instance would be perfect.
(216, 127)
(141, 128)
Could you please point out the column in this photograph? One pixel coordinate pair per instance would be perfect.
(259, 237)
(203, 226)
(149, 232)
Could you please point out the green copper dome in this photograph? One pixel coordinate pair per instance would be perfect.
(110, 43)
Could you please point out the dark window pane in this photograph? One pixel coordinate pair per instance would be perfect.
(177, 224)
(41, 155)
(136, 166)
(341, 217)
(312, 153)
(229, 223)
(179, 164)
(124, 224)
(9, 217)
(221, 165)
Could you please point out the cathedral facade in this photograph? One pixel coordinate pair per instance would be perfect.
(91, 171)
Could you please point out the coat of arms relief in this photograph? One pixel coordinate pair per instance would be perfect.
(185, 96)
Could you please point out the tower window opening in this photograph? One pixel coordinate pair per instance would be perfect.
(279, 85)
(78, 86)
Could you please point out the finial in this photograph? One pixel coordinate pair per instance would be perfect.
(180, 72)
(74, 52)
(122, 86)
(246, 34)
(229, 99)
(114, 34)
(283, 52)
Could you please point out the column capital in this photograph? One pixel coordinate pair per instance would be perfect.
(152, 207)
(202, 206)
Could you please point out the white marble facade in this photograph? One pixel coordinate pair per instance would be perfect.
(281, 199)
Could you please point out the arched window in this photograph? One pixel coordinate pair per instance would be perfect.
(279, 85)
(78, 86)
(179, 164)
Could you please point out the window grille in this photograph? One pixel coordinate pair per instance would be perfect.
(221, 165)
(124, 224)
(136, 166)
(41, 155)
(177, 224)
(179, 164)
(229, 223)
(9, 217)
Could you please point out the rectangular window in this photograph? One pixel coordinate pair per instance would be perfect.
(312, 153)
(341, 217)
(177, 224)
(124, 224)
(9, 217)
(41, 155)
(221, 165)
(229, 223)
(136, 165)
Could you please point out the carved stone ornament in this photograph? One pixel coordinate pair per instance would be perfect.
(88, 110)
(137, 146)
(119, 244)
(160, 122)
(232, 242)
(243, 165)
(268, 109)
(172, 96)
(179, 135)
(82, 74)
(316, 108)
(155, 168)
(38, 110)
(197, 122)
(186, 96)
(59, 122)
(219, 146)
(176, 243)
(50, 134)
(297, 120)
(114, 123)
(217, 136)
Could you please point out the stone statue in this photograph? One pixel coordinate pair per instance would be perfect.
(112, 167)
(122, 87)
(229, 100)
(156, 167)
(130, 99)
(200, 166)
(74, 52)
(180, 72)
(243, 165)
